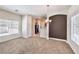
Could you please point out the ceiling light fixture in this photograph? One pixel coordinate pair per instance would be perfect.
(16, 10)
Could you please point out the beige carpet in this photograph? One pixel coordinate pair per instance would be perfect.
(34, 45)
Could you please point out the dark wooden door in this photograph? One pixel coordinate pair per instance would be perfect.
(58, 26)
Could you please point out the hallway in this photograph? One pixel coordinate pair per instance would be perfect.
(34, 45)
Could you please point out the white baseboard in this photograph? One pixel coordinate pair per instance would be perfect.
(73, 47)
(9, 37)
(58, 39)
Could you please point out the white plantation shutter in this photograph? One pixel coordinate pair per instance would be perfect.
(8, 27)
(75, 28)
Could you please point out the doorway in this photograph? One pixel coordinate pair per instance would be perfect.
(58, 27)
(35, 27)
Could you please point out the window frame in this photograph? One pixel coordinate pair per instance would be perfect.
(9, 24)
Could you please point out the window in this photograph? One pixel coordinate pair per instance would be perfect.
(75, 28)
(8, 27)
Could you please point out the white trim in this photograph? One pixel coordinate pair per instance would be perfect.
(47, 28)
(72, 47)
(9, 37)
(63, 13)
(58, 39)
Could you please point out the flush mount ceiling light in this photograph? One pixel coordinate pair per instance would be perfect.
(16, 10)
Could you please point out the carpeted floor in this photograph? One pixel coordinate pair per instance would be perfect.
(34, 45)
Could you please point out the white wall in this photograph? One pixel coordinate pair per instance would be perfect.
(72, 11)
(43, 32)
(10, 16)
(29, 27)
(43, 28)
(26, 26)
(55, 13)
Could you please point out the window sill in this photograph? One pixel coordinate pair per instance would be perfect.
(7, 34)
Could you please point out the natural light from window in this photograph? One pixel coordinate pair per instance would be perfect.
(75, 28)
(8, 27)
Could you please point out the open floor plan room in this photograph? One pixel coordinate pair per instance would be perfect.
(39, 29)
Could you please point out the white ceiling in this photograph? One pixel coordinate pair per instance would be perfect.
(36, 10)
